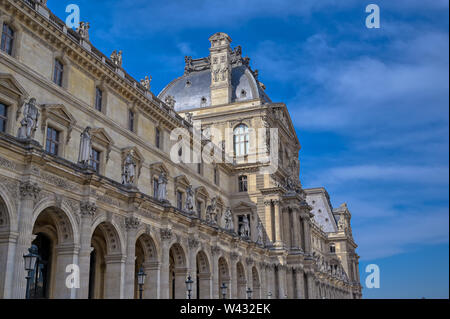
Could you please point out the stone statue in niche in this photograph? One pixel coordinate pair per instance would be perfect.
(129, 170)
(29, 121)
(189, 206)
(245, 227)
(260, 239)
(162, 187)
(85, 152)
(211, 211)
(216, 74)
(228, 218)
(223, 73)
(170, 101)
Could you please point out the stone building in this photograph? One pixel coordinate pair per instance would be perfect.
(91, 175)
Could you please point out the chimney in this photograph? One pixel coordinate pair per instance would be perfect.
(220, 54)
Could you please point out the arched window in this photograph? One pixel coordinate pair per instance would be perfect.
(58, 73)
(7, 39)
(241, 140)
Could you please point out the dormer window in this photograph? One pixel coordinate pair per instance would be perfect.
(203, 101)
(243, 94)
(188, 83)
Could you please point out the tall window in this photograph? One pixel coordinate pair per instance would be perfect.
(155, 188)
(179, 200)
(243, 183)
(52, 142)
(3, 117)
(95, 160)
(7, 39)
(158, 137)
(241, 140)
(200, 168)
(131, 118)
(58, 73)
(98, 99)
(332, 248)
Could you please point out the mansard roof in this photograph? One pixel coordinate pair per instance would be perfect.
(192, 90)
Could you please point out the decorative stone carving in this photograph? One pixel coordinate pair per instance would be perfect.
(244, 230)
(234, 256)
(162, 187)
(116, 58)
(29, 121)
(249, 261)
(260, 239)
(146, 82)
(170, 101)
(83, 30)
(215, 250)
(85, 152)
(211, 211)
(129, 169)
(132, 223)
(166, 234)
(189, 117)
(228, 218)
(193, 243)
(87, 208)
(189, 205)
(29, 190)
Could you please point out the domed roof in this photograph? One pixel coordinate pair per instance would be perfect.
(192, 90)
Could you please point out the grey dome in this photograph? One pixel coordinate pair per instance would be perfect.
(192, 90)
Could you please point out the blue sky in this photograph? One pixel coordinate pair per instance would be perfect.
(370, 106)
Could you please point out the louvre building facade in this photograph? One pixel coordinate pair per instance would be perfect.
(92, 177)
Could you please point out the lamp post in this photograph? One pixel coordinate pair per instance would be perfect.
(30, 261)
(249, 293)
(141, 281)
(223, 288)
(269, 295)
(189, 283)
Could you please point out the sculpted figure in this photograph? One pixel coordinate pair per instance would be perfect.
(83, 30)
(146, 82)
(245, 227)
(228, 218)
(162, 187)
(85, 152)
(189, 200)
(29, 121)
(116, 58)
(259, 240)
(129, 170)
(211, 211)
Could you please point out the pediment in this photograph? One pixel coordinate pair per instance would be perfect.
(244, 206)
(158, 167)
(58, 111)
(101, 135)
(201, 191)
(182, 180)
(11, 87)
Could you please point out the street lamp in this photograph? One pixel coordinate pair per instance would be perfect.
(189, 283)
(141, 281)
(269, 295)
(30, 261)
(249, 293)
(223, 288)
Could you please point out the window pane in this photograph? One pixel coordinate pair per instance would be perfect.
(2, 125)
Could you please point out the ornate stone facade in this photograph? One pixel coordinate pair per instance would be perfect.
(128, 205)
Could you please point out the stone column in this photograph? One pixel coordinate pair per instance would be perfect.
(28, 194)
(300, 294)
(233, 279)
(66, 256)
(152, 281)
(132, 224)
(282, 291)
(215, 293)
(278, 224)
(249, 263)
(114, 276)
(263, 278)
(180, 283)
(193, 245)
(296, 229)
(166, 236)
(310, 281)
(307, 235)
(87, 212)
(8, 243)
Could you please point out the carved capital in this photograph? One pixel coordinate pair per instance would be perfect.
(29, 190)
(88, 208)
(193, 243)
(267, 202)
(215, 250)
(234, 256)
(249, 261)
(166, 234)
(132, 223)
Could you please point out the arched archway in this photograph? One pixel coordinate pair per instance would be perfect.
(106, 263)
(177, 272)
(5, 250)
(53, 234)
(241, 281)
(147, 258)
(203, 276)
(224, 276)
(256, 284)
